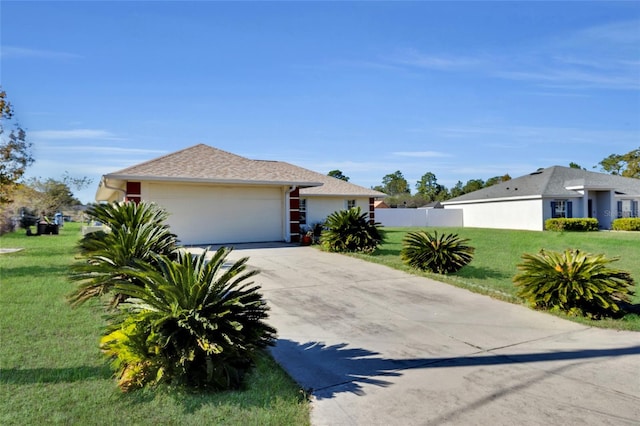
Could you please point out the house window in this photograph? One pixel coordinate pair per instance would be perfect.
(561, 208)
(351, 204)
(627, 208)
(303, 211)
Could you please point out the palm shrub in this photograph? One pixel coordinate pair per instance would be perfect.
(127, 215)
(351, 231)
(137, 233)
(442, 254)
(193, 322)
(573, 282)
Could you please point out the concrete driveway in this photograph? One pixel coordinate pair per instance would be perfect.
(381, 347)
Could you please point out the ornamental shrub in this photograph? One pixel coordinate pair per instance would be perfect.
(442, 254)
(137, 233)
(193, 322)
(571, 224)
(351, 231)
(626, 224)
(573, 282)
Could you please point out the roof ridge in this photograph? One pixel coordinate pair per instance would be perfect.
(177, 153)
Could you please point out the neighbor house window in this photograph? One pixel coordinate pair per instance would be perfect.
(561, 208)
(351, 204)
(627, 208)
(303, 211)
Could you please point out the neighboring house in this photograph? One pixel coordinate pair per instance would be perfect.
(216, 197)
(432, 205)
(526, 202)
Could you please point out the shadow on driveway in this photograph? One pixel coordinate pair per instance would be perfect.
(338, 368)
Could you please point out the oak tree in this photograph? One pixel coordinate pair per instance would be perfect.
(15, 150)
(627, 165)
(338, 175)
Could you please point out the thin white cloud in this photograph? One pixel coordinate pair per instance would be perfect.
(421, 154)
(73, 134)
(415, 58)
(575, 78)
(620, 33)
(25, 52)
(104, 150)
(599, 57)
(516, 136)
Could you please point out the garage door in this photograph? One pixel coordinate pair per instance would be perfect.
(216, 215)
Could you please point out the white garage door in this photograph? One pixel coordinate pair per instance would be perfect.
(203, 214)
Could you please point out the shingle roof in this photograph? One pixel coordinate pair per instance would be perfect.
(203, 163)
(553, 182)
(337, 187)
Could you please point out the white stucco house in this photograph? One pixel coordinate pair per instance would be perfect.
(526, 202)
(217, 197)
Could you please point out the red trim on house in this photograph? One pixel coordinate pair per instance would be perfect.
(372, 211)
(133, 192)
(294, 215)
(134, 188)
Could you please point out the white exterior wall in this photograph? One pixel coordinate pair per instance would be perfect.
(402, 217)
(208, 214)
(319, 208)
(443, 218)
(513, 214)
(419, 217)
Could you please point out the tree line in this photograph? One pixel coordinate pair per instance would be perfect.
(21, 197)
(428, 190)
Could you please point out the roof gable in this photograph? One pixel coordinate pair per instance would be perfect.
(207, 164)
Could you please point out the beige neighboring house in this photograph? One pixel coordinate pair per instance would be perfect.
(216, 197)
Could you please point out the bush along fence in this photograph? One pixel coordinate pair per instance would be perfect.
(626, 224)
(571, 224)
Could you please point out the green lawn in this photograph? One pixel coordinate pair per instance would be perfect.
(51, 370)
(499, 251)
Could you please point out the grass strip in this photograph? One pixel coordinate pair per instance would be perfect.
(51, 371)
(499, 251)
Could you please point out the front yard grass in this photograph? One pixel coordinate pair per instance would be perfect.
(51, 371)
(499, 251)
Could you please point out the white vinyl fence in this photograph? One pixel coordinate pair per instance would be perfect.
(419, 217)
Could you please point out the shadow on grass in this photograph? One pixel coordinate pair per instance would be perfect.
(330, 370)
(35, 270)
(386, 252)
(18, 376)
(471, 271)
(629, 308)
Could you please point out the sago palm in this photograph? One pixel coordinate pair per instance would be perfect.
(573, 282)
(351, 231)
(442, 254)
(193, 321)
(137, 233)
(128, 215)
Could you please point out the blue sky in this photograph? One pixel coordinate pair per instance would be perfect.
(465, 90)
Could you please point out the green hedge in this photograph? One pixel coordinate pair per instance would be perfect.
(626, 224)
(571, 224)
